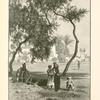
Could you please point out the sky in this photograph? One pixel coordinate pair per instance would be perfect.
(82, 28)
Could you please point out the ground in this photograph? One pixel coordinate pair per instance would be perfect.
(21, 91)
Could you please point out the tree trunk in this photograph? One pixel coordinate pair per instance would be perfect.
(75, 51)
(12, 60)
(14, 55)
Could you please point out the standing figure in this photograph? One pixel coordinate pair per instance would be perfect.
(56, 77)
(78, 63)
(50, 73)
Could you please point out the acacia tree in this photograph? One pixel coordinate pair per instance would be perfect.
(72, 15)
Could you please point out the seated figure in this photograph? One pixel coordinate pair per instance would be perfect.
(22, 74)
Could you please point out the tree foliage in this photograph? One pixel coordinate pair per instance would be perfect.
(28, 24)
(71, 13)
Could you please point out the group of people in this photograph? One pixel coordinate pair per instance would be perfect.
(54, 78)
(53, 81)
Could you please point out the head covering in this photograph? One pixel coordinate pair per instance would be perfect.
(24, 65)
(49, 66)
(54, 63)
(57, 68)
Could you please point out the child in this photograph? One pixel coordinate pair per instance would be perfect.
(50, 73)
(69, 84)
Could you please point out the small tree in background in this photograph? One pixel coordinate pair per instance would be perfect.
(67, 41)
(60, 47)
(62, 43)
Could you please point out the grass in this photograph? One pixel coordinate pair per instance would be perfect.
(81, 81)
(81, 92)
(42, 67)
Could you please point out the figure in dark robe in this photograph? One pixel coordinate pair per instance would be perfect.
(56, 77)
(23, 75)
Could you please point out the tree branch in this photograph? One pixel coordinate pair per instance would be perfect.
(60, 15)
(47, 18)
(74, 28)
(17, 49)
(25, 40)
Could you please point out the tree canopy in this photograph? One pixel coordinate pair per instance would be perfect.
(29, 24)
